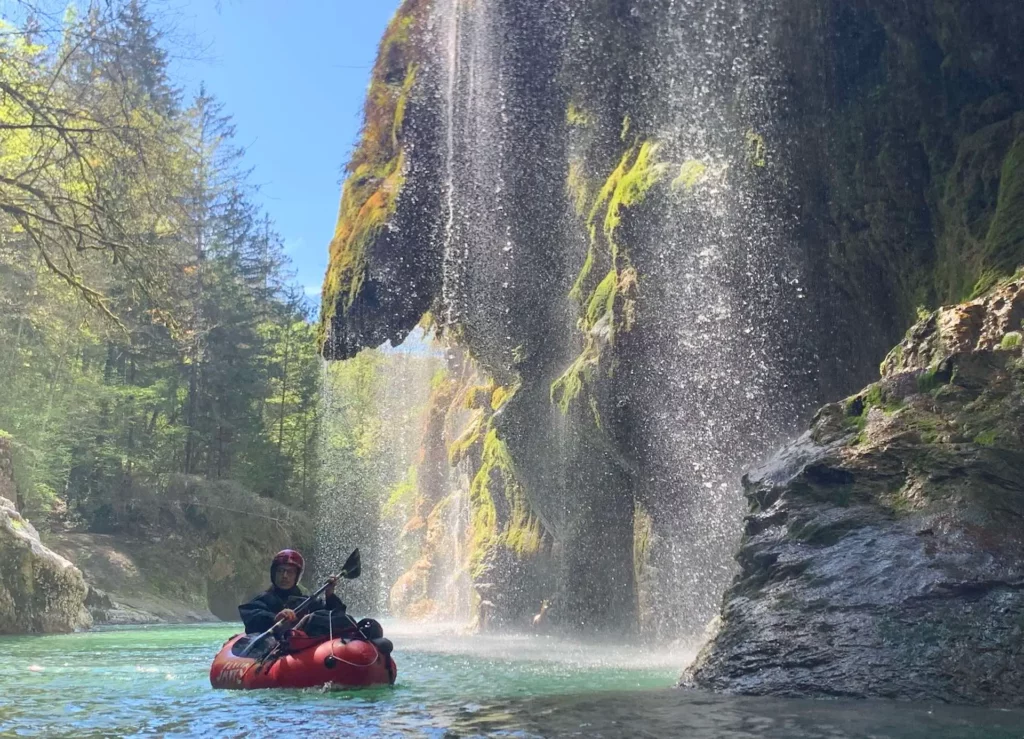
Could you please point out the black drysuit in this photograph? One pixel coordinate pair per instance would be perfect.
(260, 613)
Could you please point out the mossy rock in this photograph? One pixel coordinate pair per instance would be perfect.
(40, 591)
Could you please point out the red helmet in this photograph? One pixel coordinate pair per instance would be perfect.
(287, 557)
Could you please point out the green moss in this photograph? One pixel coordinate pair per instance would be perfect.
(400, 106)
(1004, 243)
(568, 387)
(690, 174)
(1012, 340)
(987, 438)
(603, 299)
(467, 441)
(898, 503)
(577, 116)
(578, 187)
(376, 172)
(513, 526)
(893, 359)
(614, 295)
(931, 379)
(631, 189)
(756, 150)
(985, 282)
(439, 380)
(930, 427)
(600, 203)
(877, 397)
(501, 396)
(478, 396)
(576, 293)
(402, 494)
(627, 125)
(983, 213)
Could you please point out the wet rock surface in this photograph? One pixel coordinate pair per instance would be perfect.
(883, 553)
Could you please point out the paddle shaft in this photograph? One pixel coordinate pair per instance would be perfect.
(298, 609)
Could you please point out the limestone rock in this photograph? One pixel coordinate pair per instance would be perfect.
(40, 591)
(883, 553)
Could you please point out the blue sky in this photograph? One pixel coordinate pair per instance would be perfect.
(293, 76)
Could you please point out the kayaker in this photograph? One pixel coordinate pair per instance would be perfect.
(322, 616)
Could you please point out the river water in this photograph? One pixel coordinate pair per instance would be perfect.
(153, 682)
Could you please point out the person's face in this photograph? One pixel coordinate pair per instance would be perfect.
(286, 576)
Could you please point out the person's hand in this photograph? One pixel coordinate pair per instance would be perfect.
(330, 587)
(287, 614)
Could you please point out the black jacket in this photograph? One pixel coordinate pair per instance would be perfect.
(260, 613)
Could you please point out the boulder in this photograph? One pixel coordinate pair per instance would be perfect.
(883, 553)
(40, 591)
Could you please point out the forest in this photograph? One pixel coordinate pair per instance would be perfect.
(159, 364)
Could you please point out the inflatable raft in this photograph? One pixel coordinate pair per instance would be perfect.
(308, 663)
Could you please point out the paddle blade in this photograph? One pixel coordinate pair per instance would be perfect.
(352, 566)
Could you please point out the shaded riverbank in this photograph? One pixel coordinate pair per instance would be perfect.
(153, 681)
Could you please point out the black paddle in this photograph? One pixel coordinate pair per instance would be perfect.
(349, 571)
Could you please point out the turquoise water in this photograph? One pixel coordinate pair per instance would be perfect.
(150, 682)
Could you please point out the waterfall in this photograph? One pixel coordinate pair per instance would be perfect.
(690, 371)
(711, 381)
(721, 379)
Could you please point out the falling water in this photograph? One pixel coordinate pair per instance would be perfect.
(730, 311)
(707, 381)
(370, 432)
(477, 246)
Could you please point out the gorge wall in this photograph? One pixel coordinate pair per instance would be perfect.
(661, 231)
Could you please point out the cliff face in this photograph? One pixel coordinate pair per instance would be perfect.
(671, 228)
(40, 591)
(883, 555)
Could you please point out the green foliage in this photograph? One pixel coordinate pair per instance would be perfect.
(89, 152)
(209, 370)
